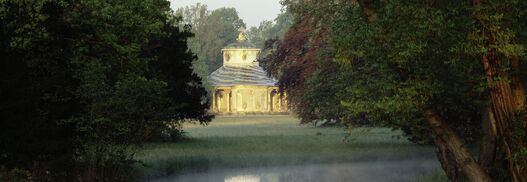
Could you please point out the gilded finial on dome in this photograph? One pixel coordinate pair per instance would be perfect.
(241, 37)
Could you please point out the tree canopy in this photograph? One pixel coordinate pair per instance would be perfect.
(270, 30)
(83, 82)
(214, 30)
(442, 71)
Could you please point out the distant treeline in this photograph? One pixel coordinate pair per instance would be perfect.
(215, 29)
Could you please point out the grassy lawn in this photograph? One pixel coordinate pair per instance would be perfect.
(256, 141)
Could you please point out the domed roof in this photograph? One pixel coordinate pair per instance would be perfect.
(241, 75)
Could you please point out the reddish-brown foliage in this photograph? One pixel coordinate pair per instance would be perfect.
(296, 57)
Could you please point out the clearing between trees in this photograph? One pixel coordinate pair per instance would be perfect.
(277, 148)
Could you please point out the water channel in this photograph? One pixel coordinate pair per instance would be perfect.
(378, 171)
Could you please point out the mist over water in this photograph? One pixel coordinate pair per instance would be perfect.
(278, 149)
(378, 171)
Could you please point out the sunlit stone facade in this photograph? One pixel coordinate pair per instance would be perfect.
(241, 86)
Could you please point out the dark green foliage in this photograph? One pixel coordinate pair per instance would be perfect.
(184, 87)
(84, 82)
(404, 57)
(390, 71)
(36, 88)
(323, 93)
(419, 67)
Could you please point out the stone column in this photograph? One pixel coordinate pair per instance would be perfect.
(229, 97)
(268, 101)
(219, 100)
(234, 104)
(214, 100)
(271, 101)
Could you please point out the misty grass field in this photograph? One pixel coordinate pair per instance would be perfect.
(239, 142)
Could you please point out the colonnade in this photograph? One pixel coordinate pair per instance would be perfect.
(248, 99)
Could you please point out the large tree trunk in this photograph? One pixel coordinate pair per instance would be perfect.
(507, 99)
(455, 145)
(451, 151)
(504, 106)
(447, 160)
(507, 94)
(489, 144)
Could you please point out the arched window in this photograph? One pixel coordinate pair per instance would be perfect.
(274, 100)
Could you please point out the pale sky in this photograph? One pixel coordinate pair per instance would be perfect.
(251, 11)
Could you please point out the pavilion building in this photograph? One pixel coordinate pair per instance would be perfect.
(241, 86)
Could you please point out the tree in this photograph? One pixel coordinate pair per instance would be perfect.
(324, 90)
(300, 58)
(91, 81)
(213, 31)
(35, 88)
(258, 35)
(499, 42)
(195, 16)
(414, 40)
(414, 79)
(414, 63)
(268, 30)
(185, 89)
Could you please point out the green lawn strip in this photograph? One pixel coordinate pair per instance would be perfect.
(234, 152)
(235, 144)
